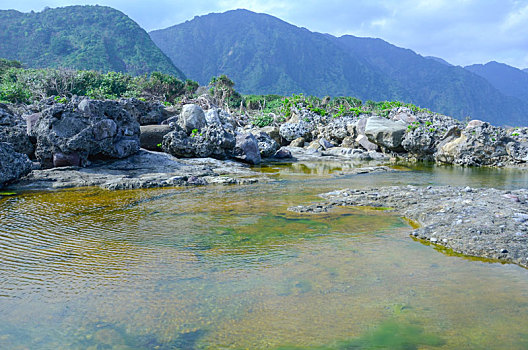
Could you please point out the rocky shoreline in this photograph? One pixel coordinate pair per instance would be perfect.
(480, 222)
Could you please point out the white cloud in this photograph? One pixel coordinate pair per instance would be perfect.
(460, 31)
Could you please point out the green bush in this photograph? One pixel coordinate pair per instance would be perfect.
(262, 120)
(14, 93)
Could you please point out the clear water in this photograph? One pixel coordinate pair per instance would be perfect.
(231, 268)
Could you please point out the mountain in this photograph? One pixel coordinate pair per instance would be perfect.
(438, 59)
(81, 37)
(265, 55)
(509, 80)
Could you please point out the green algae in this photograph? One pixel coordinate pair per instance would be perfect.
(392, 334)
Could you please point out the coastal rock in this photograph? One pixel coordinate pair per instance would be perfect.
(152, 136)
(146, 113)
(283, 153)
(213, 141)
(292, 131)
(298, 142)
(192, 117)
(13, 165)
(13, 130)
(90, 129)
(385, 133)
(267, 146)
(364, 142)
(482, 144)
(247, 149)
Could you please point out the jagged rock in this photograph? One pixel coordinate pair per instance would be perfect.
(385, 133)
(146, 113)
(247, 149)
(474, 123)
(13, 165)
(349, 142)
(266, 144)
(292, 131)
(337, 129)
(13, 130)
(273, 132)
(90, 129)
(518, 151)
(213, 141)
(404, 114)
(152, 136)
(480, 145)
(62, 160)
(192, 117)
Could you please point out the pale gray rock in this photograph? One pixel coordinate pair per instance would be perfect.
(385, 133)
(13, 130)
(192, 117)
(292, 131)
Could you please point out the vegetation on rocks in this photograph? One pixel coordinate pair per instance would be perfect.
(19, 85)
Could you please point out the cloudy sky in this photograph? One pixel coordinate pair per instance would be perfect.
(462, 32)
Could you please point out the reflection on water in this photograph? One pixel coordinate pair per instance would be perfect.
(229, 267)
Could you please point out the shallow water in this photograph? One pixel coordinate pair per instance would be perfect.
(230, 267)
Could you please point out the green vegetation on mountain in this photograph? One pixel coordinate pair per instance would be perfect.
(265, 55)
(19, 85)
(81, 37)
(509, 80)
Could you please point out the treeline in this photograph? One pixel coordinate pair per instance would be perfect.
(20, 85)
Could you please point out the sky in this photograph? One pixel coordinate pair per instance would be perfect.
(462, 32)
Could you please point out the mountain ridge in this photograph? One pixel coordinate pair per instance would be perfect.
(263, 54)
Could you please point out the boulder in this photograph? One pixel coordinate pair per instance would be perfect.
(267, 146)
(292, 131)
(151, 136)
(403, 114)
(385, 133)
(247, 149)
(90, 129)
(192, 117)
(13, 130)
(13, 165)
(325, 143)
(213, 141)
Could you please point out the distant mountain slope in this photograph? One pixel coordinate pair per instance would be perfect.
(508, 80)
(81, 37)
(446, 88)
(263, 54)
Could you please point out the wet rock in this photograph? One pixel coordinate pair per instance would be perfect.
(247, 149)
(13, 165)
(477, 222)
